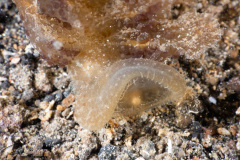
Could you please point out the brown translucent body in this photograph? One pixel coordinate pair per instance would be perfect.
(112, 49)
(62, 29)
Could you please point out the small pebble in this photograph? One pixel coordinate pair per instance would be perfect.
(66, 112)
(11, 89)
(61, 108)
(210, 131)
(66, 92)
(212, 80)
(51, 104)
(1, 59)
(26, 59)
(238, 111)
(68, 100)
(15, 46)
(15, 60)
(146, 147)
(3, 79)
(13, 65)
(238, 145)
(207, 142)
(212, 100)
(9, 147)
(37, 103)
(46, 115)
(107, 152)
(58, 96)
(6, 54)
(223, 131)
(196, 126)
(44, 104)
(5, 85)
(183, 121)
(61, 81)
(128, 141)
(16, 93)
(233, 130)
(222, 96)
(21, 74)
(169, 146)
(49, 142)
(234, 84)
(49, 98)
(42, 82)
(28, 94)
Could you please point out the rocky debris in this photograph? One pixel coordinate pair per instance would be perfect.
(107, 152)
(11, 117)
(146, 148)
(61, 80)
(42, 80)
(19, 80)
(223, 131)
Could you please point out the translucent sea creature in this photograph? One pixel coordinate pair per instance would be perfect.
(113, 49)
(127, 87)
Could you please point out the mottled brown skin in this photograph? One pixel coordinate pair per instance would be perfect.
(122, 29)
(43, 31)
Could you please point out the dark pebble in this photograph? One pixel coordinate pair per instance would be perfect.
(2, 28)
(7, 57)
(6, 66)
(31, 57)
(5, 85)
(49, 142)
(49, 98)
(19, 150)
(195, 135)
(1, 46)
(108, 152)
(58, 96)
(67, 92)
(10, 5)
(1, 59)
(28, 95)
(13, 65)
(197, 127)
(4, 16)
(25, 60)
(17, 94)
(28, 59)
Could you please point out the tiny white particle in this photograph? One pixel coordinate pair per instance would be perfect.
(238, 111)
(57, 45)
(169, 146)
(77, 24)
(212, 100)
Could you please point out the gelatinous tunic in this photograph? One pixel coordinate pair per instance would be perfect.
(127, 87)
(113, 47)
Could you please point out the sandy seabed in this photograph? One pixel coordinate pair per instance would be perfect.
(36, 113)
